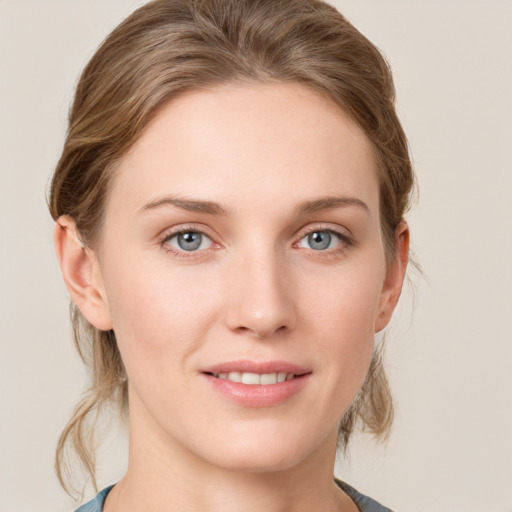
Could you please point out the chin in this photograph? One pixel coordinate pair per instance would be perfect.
(274, 452)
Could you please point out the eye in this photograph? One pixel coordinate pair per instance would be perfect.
(320, 240)
(189, 241)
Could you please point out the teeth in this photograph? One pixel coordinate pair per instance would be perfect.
(255, 378)
(268, 378)
(250, 378)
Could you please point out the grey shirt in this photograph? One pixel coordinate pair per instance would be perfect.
(364, 503)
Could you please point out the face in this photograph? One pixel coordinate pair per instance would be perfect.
(243, 271)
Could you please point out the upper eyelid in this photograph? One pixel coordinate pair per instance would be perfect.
(172, 231)
(343, 239)
(176, 233)
(343, 233)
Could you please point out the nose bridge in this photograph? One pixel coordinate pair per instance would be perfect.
(261, 296)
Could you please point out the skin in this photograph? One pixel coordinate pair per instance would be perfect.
(256, 290)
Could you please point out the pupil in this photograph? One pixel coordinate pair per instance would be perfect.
(189, 241)
(319, 240)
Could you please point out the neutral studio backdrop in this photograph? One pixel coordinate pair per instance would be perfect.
(450, 359)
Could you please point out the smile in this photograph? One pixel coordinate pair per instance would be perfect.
(257, 384)
(253, 379)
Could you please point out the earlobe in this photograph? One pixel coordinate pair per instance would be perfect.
(395, 275)
(81, 274)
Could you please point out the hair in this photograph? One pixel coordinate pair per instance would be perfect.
(167, 47)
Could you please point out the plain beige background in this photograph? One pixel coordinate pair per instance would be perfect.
(450, 362)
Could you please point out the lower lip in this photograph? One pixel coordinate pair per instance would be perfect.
(257, 395)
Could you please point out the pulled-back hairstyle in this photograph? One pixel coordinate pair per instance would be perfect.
(167, 47)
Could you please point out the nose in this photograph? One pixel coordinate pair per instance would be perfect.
(260, 294)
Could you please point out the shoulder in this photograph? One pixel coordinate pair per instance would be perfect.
(96, 504)
(364, 503)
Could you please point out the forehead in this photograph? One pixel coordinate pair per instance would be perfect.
(243, 143)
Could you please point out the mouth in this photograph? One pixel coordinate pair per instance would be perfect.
(257, 384)
(254, 373)
(254, 379)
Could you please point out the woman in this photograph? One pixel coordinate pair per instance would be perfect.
(229, 222)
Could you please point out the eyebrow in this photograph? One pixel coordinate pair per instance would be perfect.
(213, 208)
(329, 203)
(191, 205)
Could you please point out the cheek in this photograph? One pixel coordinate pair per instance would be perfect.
(155, 312)
(348, 303)
(342, 317)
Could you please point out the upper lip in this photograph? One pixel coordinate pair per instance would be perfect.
(261, 367)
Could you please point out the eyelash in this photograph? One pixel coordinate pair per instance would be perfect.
(345, 241)
(168, 235)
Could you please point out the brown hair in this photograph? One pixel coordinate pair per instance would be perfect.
(169, 46)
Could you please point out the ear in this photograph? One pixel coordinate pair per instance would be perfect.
(81, 272)
(395, 275)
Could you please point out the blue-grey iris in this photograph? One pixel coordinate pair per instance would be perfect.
(319, 240)
(190, 241)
